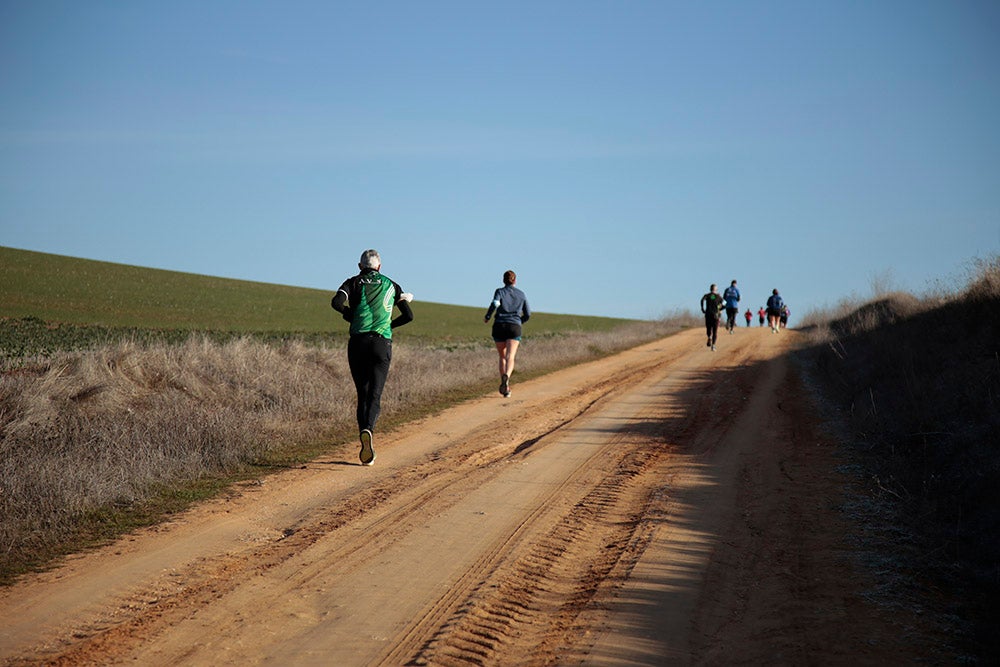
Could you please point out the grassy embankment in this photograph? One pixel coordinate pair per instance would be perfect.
(127, 393)
(917, 381)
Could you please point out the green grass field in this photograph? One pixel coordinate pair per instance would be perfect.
(70, 291)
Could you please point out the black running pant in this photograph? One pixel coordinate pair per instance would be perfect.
(369, 355)
(731, 317)
(712, 327)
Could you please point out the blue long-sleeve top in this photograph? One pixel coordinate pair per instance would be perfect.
(510, 305)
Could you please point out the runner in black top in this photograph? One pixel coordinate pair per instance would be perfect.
(711, 306)
(366, 301)
(511, 307)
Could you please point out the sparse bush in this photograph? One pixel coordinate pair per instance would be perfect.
(984, 284)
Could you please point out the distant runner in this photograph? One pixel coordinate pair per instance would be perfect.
(748, 315)
(366, 301)
(711, 306)
(774, 304)
(761, 314)
(785, 312)
(512, 310)
(732, 299)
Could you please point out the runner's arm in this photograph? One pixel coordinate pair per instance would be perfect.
(339, 304)
(405, 314)
(494, 304)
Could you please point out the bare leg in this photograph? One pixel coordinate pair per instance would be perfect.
(506, 350)
(502, 352)
(511, 353)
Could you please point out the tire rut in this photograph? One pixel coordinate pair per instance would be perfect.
(537, 593)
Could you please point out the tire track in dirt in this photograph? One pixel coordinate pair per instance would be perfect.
(527, 610)
(540, 589)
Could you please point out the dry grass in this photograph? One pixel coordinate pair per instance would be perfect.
(96, 441)
(918, 381)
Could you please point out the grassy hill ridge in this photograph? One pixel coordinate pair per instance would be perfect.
(62, 289)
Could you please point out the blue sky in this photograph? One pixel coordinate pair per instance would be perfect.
(620, 156)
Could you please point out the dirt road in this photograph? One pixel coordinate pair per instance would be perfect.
(668, 505)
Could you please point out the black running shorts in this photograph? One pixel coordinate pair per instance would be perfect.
(504, 331)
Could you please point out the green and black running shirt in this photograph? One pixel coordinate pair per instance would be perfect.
(371, 296)
(711, 304)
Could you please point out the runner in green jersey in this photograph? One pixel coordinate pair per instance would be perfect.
(711, 306)
(366, 301)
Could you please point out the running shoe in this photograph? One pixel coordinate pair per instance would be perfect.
(504, 387)
(367, 455)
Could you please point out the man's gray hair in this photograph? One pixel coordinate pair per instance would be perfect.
(370, 259)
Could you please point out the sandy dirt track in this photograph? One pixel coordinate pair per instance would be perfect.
(668, 505)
